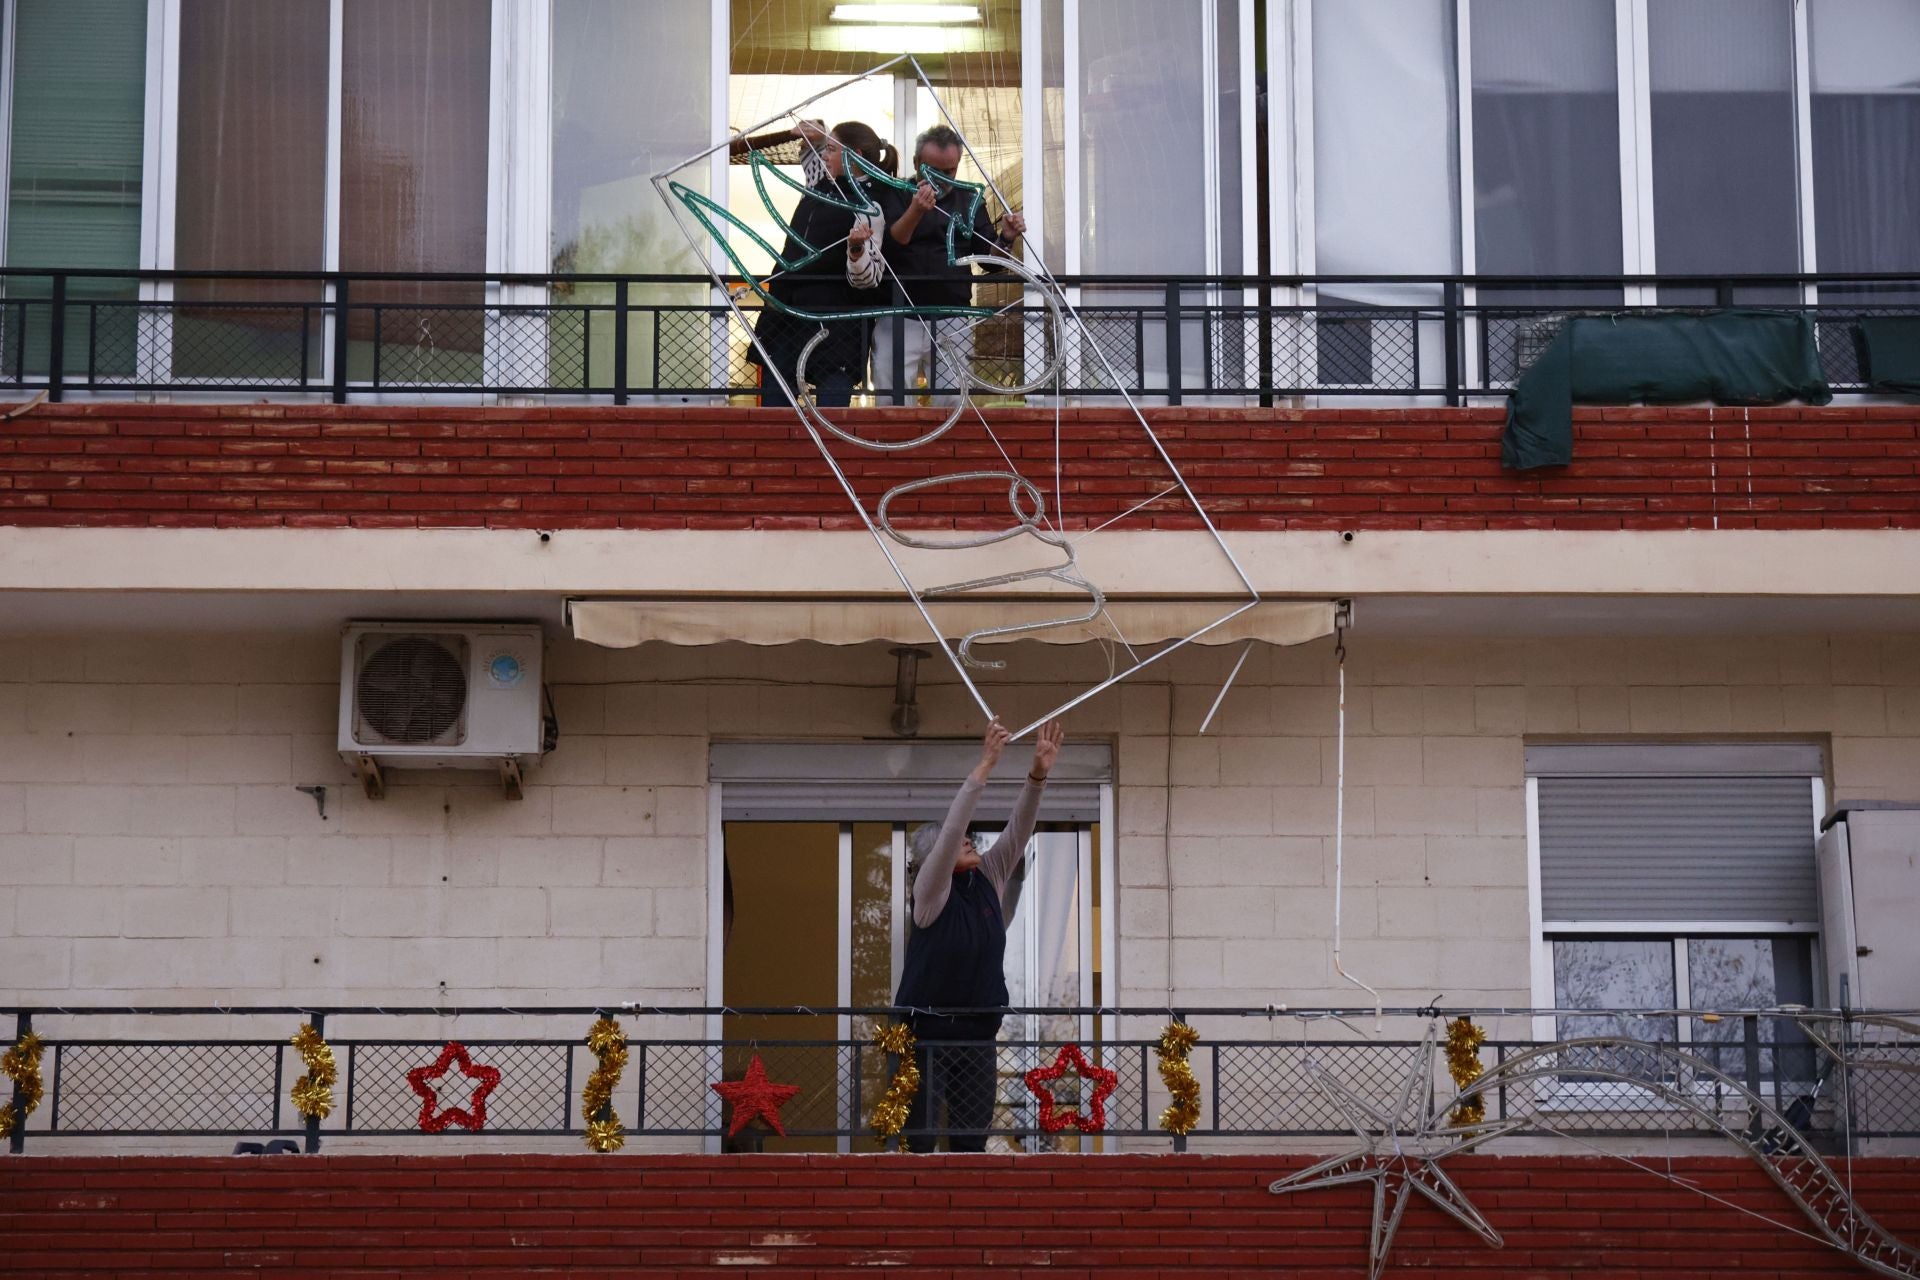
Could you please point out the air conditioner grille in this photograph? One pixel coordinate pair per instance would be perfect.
(412, 688)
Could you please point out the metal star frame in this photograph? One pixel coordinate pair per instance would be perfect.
(1398, 1160)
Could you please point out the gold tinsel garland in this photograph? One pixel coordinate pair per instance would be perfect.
(22, 1065)
(312, 1093)
(1176, 1043)
(608, 1043)
(1463, 1064)
(890, 1113)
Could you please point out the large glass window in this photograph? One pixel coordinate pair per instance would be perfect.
(1866, 139)
(1724, 178)
(252, 186)
(614, 124)
(415, 85)
(74, 177)
(1546, 161)
(1385, 187)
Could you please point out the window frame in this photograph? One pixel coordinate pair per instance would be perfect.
(1542, 932)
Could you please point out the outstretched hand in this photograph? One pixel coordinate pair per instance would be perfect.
(991, 745)
(1046, 748)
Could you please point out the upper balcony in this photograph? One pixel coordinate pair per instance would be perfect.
(445, 338)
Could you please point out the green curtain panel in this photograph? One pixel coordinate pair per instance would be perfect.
(1891, 352)
(1732, 357)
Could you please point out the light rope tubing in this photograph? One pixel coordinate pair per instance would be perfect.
(1018, 486)
(1340, 807)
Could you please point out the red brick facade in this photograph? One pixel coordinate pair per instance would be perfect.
(1111, 1216)
(708, 468)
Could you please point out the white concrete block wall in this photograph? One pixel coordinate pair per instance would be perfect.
(153, 848)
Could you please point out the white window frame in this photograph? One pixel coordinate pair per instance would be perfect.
(1105, 939)
(1542, 932)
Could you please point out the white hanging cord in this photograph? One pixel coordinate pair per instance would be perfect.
(1341, 618)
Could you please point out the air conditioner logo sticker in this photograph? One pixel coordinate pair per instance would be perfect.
(504, 671)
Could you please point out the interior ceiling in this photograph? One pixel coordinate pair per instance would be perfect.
(790, 37)
(40, 612)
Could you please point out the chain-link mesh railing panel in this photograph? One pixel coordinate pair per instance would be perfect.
(532, 1094)
(13, 332)
(237, 345)
(533, 347)
(676, 1080)
(1268, 1088)
(123, 342)
(1232, 337)
(1842, 345)
(695, 348)
(187, 1088)
(680, 1098)
(1883, 1086)
(1105, 351)
(425, 346)
(1510, 341)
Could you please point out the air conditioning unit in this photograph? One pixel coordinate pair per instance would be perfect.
(433, 695)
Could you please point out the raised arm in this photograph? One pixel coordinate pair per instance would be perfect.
(935, 877)
(1003, 859)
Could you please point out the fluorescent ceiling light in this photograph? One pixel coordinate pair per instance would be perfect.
(901, 39)
(926, 15)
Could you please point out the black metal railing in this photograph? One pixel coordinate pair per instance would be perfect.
(344, 336)
(107, 1072)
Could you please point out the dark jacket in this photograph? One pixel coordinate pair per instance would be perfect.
(820, 285)
(925, 253)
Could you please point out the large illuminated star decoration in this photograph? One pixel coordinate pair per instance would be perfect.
(433, 1117)
(1398, 1160)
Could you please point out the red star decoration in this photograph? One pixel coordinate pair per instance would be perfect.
(1052, 1119)
(755, 1095)
(432, 1118)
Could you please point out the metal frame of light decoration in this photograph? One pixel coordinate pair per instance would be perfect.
(1768, 1135)
(1027, 521)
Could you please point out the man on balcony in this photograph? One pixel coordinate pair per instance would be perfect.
(907, 349)
(956, 954)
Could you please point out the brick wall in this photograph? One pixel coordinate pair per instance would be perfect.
(1056, 1216)
(721, 468)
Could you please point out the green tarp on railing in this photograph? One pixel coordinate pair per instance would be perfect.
(1892, 352)
(1732, 357)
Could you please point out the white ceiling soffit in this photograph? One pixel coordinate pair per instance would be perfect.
(621, 624)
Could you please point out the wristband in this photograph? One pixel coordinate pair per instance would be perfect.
(1042, 779)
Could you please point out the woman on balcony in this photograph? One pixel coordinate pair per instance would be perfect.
(956, 953)
(832, 281)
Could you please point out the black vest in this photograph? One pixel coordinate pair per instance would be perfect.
(959, 961)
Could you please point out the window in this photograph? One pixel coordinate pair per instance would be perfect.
(1725, 186)
(415, 86)
(1866, 139)
(1677, 877)
(1385, 182)
(252, 187)
(74, 177)
(812, 856)
(615, 123)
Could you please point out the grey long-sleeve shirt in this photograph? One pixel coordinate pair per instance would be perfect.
(998, 864)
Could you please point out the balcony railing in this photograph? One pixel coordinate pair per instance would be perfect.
(615, 338)
(205, 1072)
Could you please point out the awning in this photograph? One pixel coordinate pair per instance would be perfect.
(621, 624)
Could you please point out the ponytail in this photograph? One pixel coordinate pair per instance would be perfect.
(862, 139)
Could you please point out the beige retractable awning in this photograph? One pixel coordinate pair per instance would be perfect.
(621, 624)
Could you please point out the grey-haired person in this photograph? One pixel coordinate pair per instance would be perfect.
(956, 953)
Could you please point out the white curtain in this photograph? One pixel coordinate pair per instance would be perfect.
(1385, 196)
